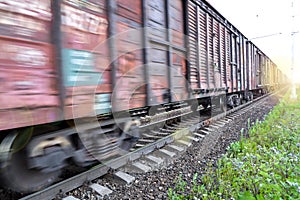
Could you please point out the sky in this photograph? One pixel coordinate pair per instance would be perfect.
(259, 18)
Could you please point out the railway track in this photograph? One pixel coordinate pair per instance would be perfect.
(151, 151)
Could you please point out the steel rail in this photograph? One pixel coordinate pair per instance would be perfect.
(59, 189)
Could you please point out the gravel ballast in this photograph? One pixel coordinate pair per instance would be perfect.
(196, 159)
(155, 184)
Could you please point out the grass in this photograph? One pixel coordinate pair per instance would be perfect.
(264, 166)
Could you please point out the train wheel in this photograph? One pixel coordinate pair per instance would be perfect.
(15, 174)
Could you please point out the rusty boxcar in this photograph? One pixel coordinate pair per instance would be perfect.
(78, 76)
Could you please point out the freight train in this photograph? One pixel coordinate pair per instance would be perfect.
(79, 78)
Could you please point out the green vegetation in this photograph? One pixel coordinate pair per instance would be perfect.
(264, 166)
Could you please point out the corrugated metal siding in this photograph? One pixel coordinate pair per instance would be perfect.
(253, 67)
(216, 42)
(271, 73)
(178, 69)
(193, 45)
(248, 64)
(261, 69)
(216, 54)
(243, 66)
(242, 54)
(266, 71)
(223, 54)
(228, 60)
(257, 69)
(212, 49)
(203, 49)
(211, 66)
(238, 67)
(274, 74)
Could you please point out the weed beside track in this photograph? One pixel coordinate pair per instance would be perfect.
(263, 164)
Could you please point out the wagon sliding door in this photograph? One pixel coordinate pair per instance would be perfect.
(129, 88)
(165, 51)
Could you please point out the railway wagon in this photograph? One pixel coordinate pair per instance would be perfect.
(79, 77)
(218, 56)
(264, 74)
